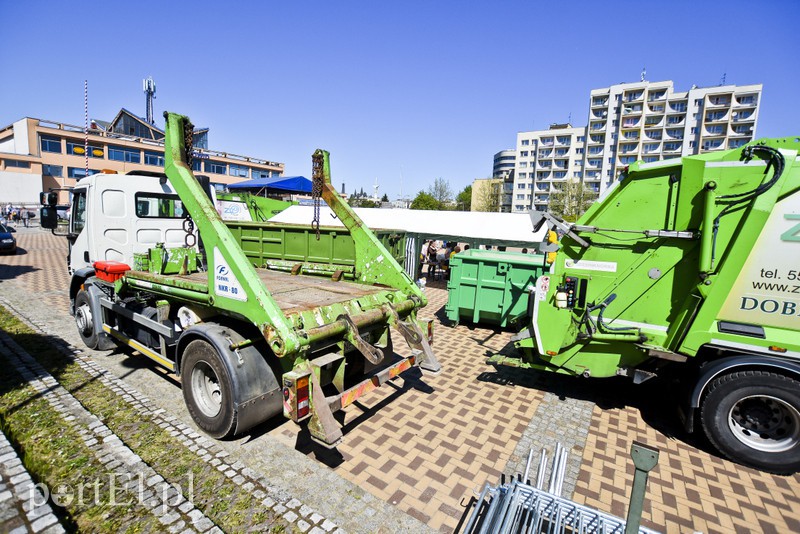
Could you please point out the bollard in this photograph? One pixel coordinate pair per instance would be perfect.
(644, 459)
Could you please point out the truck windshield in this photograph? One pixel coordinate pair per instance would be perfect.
(159, 205)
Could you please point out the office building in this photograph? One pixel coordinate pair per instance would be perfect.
(37, 155)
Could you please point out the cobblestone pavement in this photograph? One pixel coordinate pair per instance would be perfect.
(23, 507)
(424, 444)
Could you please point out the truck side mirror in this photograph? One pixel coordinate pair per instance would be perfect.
(48, 217)
(48, 198)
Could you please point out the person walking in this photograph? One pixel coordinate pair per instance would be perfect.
(432, 260)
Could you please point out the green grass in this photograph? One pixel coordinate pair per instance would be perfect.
(231, 507)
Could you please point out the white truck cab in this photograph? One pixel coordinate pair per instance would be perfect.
(114, 216)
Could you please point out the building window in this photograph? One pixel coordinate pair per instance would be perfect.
(581, 138)
(17, 164)
(53, 170)
(216, 167)
(237, 170)
(579, 151)
(118, 153)
(75, 172)
(77, 149)
(51, 144)
(197, 165)
(154, 158)
(259, 173)
(524, 154)
(525, 142)
(520, 197)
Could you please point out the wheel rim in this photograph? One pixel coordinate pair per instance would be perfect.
(765, 423)
(206, 389)
(83, 318)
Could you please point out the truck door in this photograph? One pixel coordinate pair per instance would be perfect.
(78, 236)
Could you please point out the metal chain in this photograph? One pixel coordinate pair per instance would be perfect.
(190, 240)
(316, 189)
(188, 139)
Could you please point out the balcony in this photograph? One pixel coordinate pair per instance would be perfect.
(546, 164)
(563, 140)
(593, 175)
(597, 126)
(675, 120)
(543, 175)
(675, 134)
(634, 96)
(657, 96)
(545, 153)
(628, 148)
(599, 113)
(597, 139)
(717, 116)
(746, 101)
(678, 107)
(736, 143)
(561, 151)
(651, 148)
(650, 159)
(594, 163)
(743, 129)
(546, 141)
(672, 147)
(635, 109)
(561, 164)
(741, 116)
(652, 122)
(595, 150)
(654, 135)
(713, 144)
(631, 135)
(717, 101)
(631, 122)
(599, 101)
(715, 130)
(655, 108)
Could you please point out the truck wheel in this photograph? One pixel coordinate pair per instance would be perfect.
(84, 320)
(207, 389)
(753, 417)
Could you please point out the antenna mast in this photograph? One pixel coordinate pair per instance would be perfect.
(149, 87)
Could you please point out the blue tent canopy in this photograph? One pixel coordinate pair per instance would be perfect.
(293, 184)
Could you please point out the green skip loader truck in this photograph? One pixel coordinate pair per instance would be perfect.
(687, 268)
(255, 322)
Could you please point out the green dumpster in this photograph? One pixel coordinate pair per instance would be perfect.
(491, 287)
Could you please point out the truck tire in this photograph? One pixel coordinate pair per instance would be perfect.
(753, 417)
(207, 389)
(84, 320)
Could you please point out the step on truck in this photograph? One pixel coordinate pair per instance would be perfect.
(154, 267)
(689, 268)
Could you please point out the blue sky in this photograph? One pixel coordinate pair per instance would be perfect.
(407, 90)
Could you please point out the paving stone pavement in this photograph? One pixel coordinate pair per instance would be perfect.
(23, 506)
(424, 444)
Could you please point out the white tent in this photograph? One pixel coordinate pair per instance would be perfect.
(472, 227)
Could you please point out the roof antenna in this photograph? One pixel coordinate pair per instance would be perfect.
(569, 119)
(644, 73)
(724, 75)
(149, 88)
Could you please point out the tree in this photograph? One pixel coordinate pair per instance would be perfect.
(464, 199)
(441, 192)
(385, 198)
(571, 201)
(425, 201)
(488, 195)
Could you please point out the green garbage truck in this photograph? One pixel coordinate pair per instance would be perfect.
(256, 319)
(687, 268)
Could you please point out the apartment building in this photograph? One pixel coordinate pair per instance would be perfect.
(37, 155)
(545, 160)
(647, 121)
(503, 168)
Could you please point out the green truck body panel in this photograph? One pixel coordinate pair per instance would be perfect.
(283, 246)
(491, 287)
(703, 275)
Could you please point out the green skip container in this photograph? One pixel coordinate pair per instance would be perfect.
(491, 287)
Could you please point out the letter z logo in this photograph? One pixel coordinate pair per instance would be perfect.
(792, 234)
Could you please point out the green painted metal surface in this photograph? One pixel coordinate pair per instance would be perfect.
(283, 246)
(491, 287)
(736, 261)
